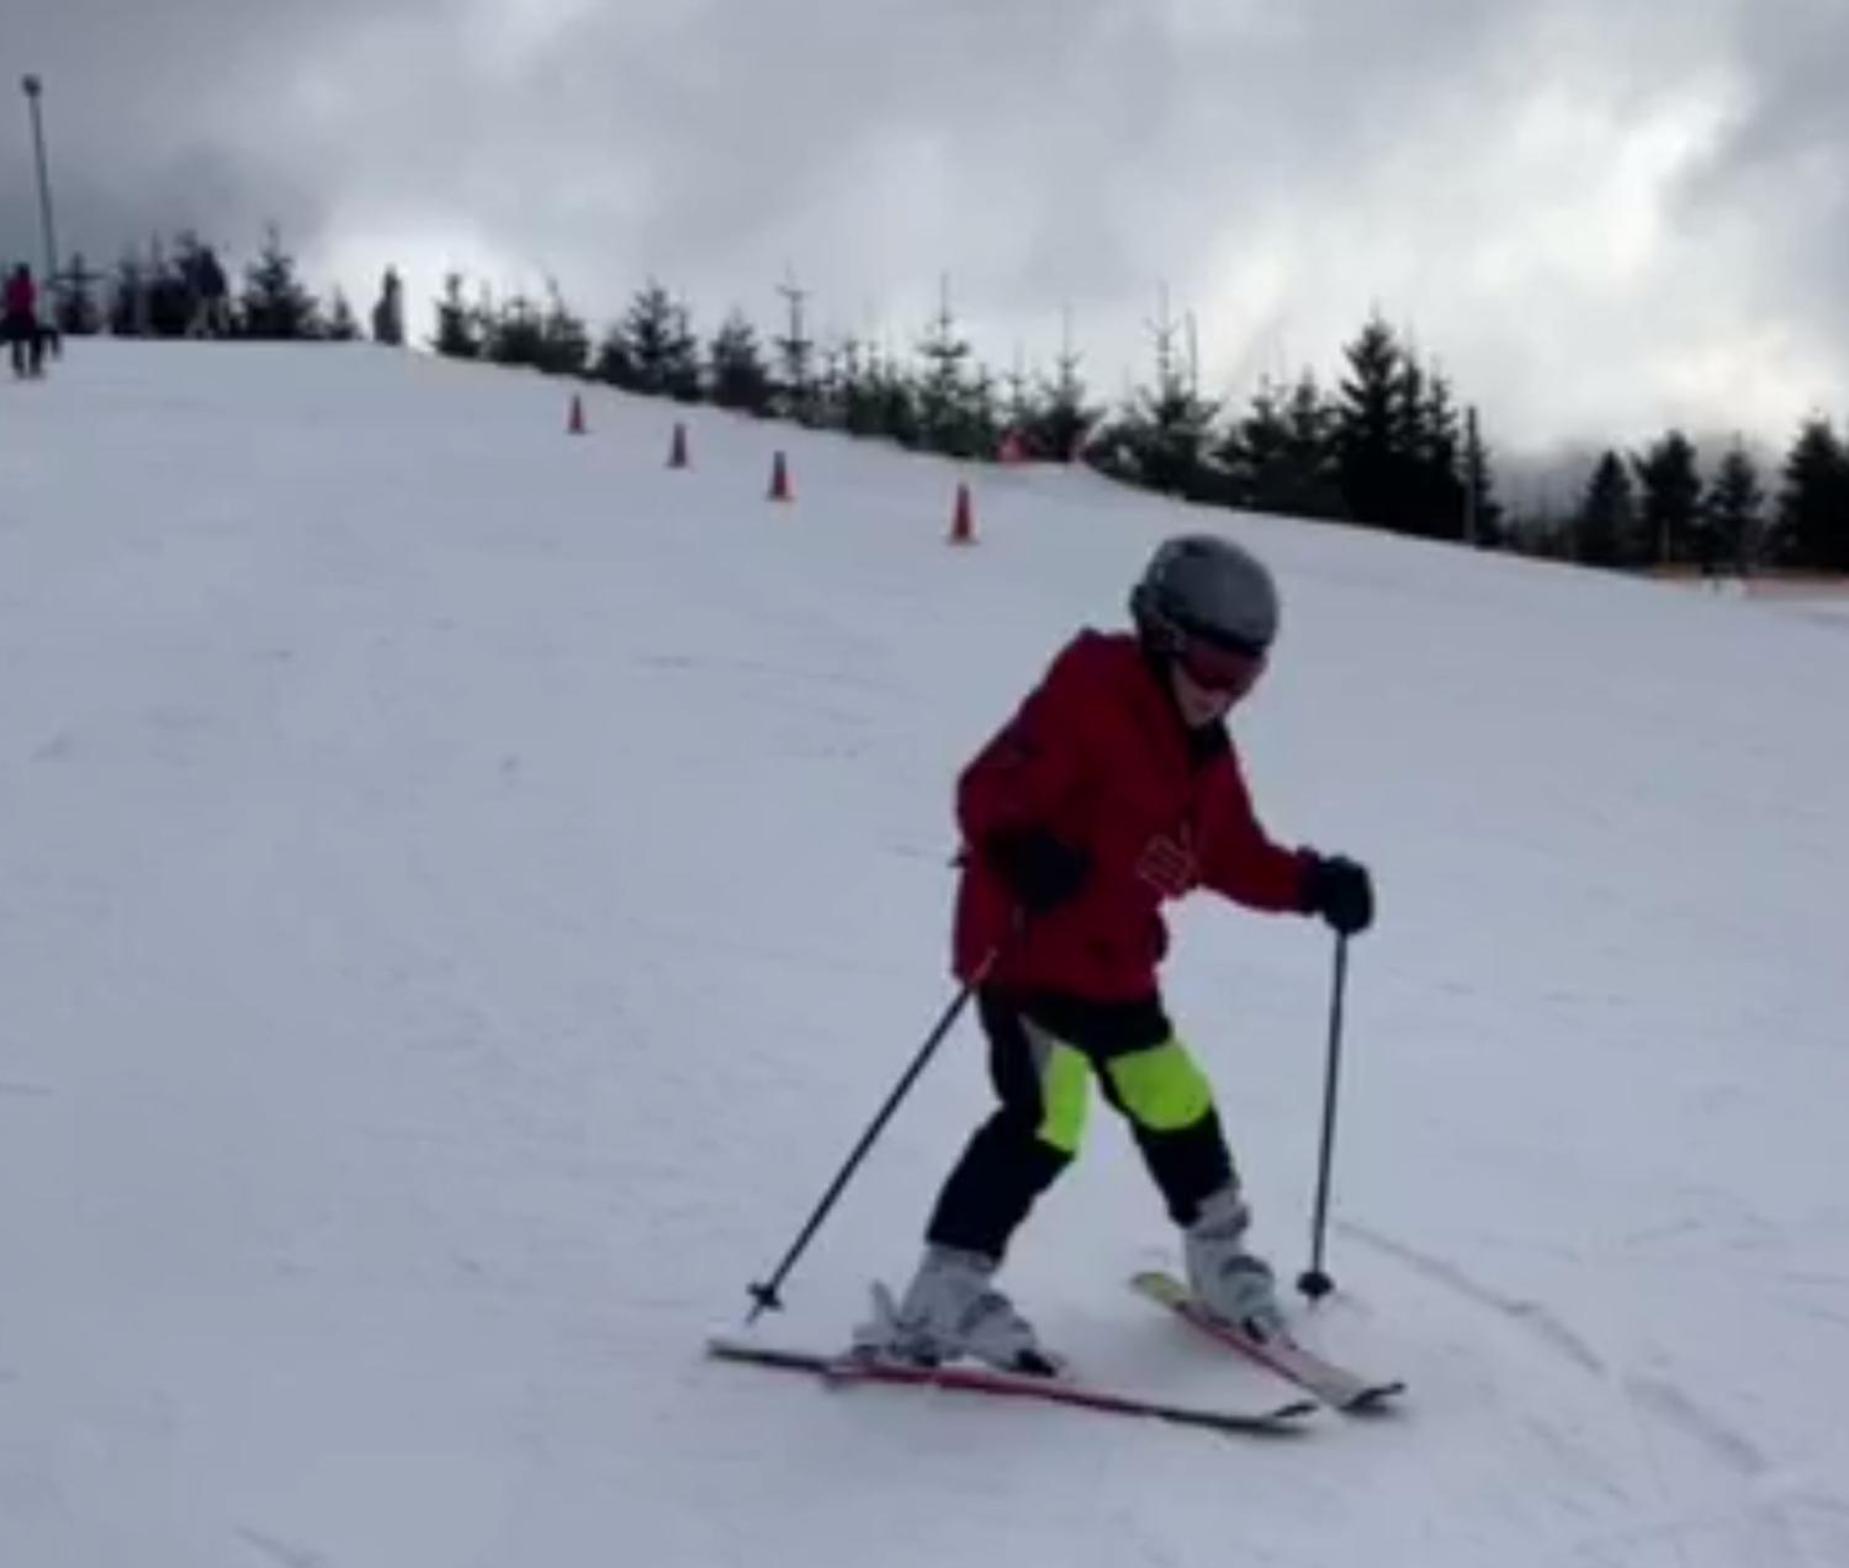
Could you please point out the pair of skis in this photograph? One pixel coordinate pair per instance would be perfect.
(1323, 1382)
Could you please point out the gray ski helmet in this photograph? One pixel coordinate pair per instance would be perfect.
(1202, 586)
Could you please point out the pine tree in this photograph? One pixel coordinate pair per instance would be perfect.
(658, 343)
(650, 329)
(614, 363)
(982, 429)
(945, 414)
(513, 334)
(128, 299)
(1065, 414)
(1169, 437)
(1733, 512)
(79, 314)
(1608, 514)
(276, 305)
(564, 342)
(1483, 514)
(1671, 499)
(341, 326)
(795, 391)
(1280, 456)
(1255, 452)
(1163, 438)
(740, 377)
(855, 405)
(1405, 496)
(1436, 489)
(1370, 419)
(1020, 401)
(1310, 449)
(830, 389)
(460, 333)
(167, 299)
(898, 403)
(1813, 504)
(683, 381)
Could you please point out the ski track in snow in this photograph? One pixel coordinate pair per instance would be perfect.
(1763, 1517)
(1530, 1316)
(283, 1552)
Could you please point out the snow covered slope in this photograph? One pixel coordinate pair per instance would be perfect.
(463, 889)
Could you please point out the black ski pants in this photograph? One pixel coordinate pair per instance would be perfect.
(1044, 1051)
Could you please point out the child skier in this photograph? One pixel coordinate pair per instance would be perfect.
(1113, 789)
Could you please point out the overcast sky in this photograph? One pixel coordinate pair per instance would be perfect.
(1599, 217)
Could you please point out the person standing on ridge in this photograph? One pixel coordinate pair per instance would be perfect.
(1114, 789)
(19, 322)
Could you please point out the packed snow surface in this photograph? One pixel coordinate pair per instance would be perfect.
(464, 888)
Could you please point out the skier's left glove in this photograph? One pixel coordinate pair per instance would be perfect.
(1341, 891)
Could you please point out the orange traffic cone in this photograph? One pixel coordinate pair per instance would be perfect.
(780, 480)
(574, 423)
(1011, 450)
(677, 453)
(963, 521)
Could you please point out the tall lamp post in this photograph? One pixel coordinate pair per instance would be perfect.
(34, 88)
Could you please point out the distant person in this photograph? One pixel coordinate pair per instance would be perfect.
(211, 313)
(19, 323)
(211, 296)
(388, 313)
(1113, 790)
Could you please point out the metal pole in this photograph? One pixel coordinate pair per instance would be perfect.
(764, 1296)
(1315, 1282)
(34, 88)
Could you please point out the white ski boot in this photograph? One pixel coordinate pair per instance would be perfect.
(1233, 1284)
(950, 1310)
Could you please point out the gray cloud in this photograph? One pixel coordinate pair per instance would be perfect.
(1601, 217)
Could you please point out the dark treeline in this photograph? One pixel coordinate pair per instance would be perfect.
(1386, 444)
(182, 290)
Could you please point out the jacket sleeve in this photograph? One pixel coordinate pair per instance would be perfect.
(1034, 764)
(1242, 862)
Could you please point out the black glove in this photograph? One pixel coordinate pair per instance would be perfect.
(1042, 871)
(1341, 892)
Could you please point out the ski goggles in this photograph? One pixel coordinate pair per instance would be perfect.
(1229, 671)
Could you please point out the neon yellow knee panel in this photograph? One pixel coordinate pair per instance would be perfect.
(1065, 1096)
(1161, 1088)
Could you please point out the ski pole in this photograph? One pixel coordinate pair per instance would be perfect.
(764, 1296)
(1315, 1282)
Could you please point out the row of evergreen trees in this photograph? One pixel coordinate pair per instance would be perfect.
(1387, 445)
(942, 402)
(159, 292)
(1655, 509)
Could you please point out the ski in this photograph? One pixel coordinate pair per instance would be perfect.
(848, 1368)
(1334, 1385)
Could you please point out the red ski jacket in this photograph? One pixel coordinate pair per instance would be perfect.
(1099, 756)
(21, 296)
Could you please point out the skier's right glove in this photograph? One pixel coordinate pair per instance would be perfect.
(1041, 870)
(1341, 892)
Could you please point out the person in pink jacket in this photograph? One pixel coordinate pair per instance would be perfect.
(19, 322)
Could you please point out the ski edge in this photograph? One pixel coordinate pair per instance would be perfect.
(846, 1369)
(1336, 1385)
